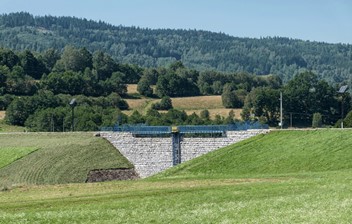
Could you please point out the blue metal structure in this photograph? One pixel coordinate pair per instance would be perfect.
(176, 132)
(142, 129)
(176, 148)
(146, 130)
(200, 129)
(139, 129)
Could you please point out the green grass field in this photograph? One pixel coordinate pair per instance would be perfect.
(10, 128)
(281, 177)
(278, 153)
(9, 155)
(60, 158)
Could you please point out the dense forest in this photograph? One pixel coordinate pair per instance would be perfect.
(200, 50)
(36, 88)
(47, 61)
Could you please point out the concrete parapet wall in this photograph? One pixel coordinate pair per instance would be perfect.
(151, 155)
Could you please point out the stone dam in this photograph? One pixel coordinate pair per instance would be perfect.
(151, 155)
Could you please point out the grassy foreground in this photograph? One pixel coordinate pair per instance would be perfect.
(282, 177)
(59, 158)
(312, 198)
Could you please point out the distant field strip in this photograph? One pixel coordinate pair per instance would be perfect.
(213, 112)
(182, 103)
(189, 104)
(9, 155)
(197, 102)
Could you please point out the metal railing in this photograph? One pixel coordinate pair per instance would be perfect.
(142, 129)
(203, 128)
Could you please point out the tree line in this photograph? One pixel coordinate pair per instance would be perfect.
(78, 71)
(200, 50)
(305, 99)
(35, 88)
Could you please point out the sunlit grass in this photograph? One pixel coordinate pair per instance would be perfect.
(9, 155)
(132, 88)
(10, 128)
(281, 177)
(197, 102)
(316, 198)
(280, 152)
(60, 158)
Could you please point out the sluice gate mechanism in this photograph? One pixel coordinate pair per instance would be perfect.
(178, 132)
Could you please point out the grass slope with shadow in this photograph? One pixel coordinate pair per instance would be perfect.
(276, 153)
(59, 158)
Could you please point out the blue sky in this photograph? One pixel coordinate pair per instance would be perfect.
(316, 20)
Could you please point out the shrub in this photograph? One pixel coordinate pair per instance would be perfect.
(144, 87)
(164, 104)
(347, 122)
(317, 120)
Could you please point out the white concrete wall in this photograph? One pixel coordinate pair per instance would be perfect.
(153, 155)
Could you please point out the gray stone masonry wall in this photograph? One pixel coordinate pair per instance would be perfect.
(153, 155)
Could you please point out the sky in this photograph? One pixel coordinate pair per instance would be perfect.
(315, 20)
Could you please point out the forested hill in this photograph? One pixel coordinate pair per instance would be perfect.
(201, 50)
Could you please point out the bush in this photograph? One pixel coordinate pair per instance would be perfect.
(347, 122)
(317, 120)
(230, 98)
(18, 111)
(205, 115)
(50, 119)
(5, 101)
(136, 118)
(144, 87)
(164, 104)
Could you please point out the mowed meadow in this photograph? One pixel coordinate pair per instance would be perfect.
(54, 158)
(280, 177)
(190, 105)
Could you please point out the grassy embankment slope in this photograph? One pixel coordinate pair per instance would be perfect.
(189, 104)
(54, 158)
(282, 177)
(279, 153)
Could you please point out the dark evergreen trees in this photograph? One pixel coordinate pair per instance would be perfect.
(194, 49)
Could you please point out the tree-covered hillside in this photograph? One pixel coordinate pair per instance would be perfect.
(35, 89)
(200, 50)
